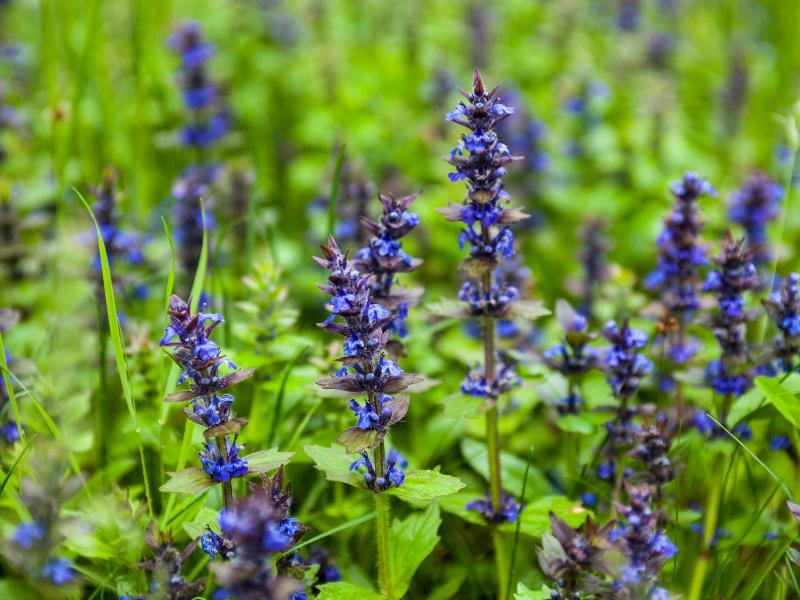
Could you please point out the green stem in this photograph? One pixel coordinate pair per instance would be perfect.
(227, 486)
(382, 529)
(492, 416)
(501, 561)
(709, 527)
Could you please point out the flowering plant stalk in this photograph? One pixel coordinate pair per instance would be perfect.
(208, 120)
(366, 370)
(479, 160)
(676, 277)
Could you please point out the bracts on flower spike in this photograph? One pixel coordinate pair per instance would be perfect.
(384, 258)
(783, 309)
(365, 325)
(731, 375)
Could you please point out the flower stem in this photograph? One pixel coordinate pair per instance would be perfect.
(493, 440)
(492, 417)
(501, 562)
(227, 486)
(382, 528)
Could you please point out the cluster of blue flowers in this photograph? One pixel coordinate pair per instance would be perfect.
(642, 541)
(208, 121)
(30, 534)
(383, 257)
(477, 385)
(507, 512)
(392, 476)
(365, 326)
(480, 161)
(34, 549)
(200, 359)
(252, 533)
(753, 206)
(119, 244)
(626, 366)
(681, 253)
(784, 310)
(573, 357)
(735, 274)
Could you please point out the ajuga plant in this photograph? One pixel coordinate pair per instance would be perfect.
(208, 120)
(625, 366)
(575, 560)
(681, 253)
(783, 308)
(753, 206)
(166, 569)
(211, 404)
(641, 539)
(254, 531)
(365, 326)
(480, 160)
(383, 258)
(573, 357)
(732, 374)
(120, 245)
(35, 548)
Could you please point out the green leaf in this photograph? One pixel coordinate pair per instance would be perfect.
(335, 463)
(265, 461)
(512, 469)
(528, 310)
(535, 518)
(575, 424)
(424, 486)
(17, 589)
(458, 406)
(346, 591)
(746, 404)
(355, 439)
(456, 504)
(523, 593)
(188, 481)
(411, 541)
(782, 399)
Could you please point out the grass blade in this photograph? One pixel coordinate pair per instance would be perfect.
(13, 466)
(337, 529)
(771, 473)
(287, 370)
(115, 329)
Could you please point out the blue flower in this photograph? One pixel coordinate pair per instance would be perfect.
(779, 442)
(753, 206)
(28, 533)
(366, 416)
(220, 468)
(59, 571)
(211, 543)
(507, 512)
